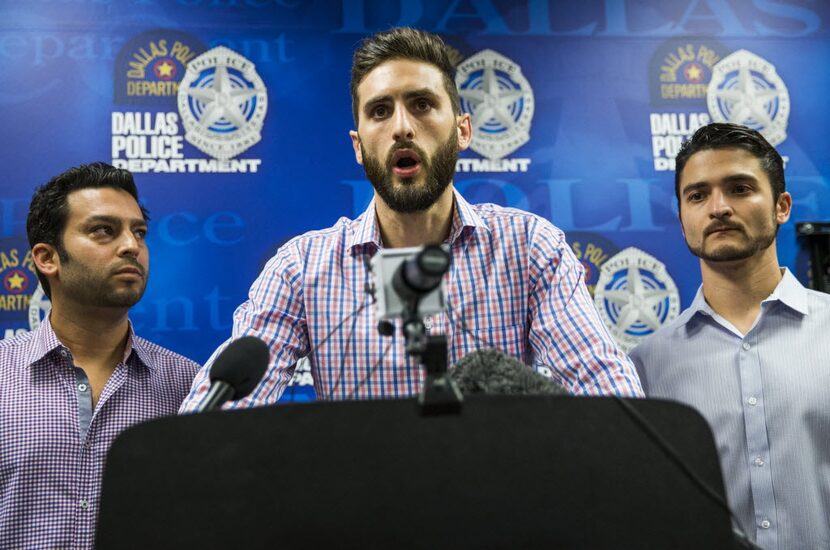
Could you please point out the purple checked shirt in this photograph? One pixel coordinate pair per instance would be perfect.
(53, 444)
(513, 284)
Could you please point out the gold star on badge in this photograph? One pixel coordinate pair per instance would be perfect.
(165, 68)
(16, 281)
(693, 73)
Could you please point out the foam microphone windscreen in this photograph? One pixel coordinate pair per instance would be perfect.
(490, 371)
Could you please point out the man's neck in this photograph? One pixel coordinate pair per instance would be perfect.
(96, 336)
(430, 226)
(735, 290)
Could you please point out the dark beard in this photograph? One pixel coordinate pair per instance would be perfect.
(735, 252)
(94, 289)
(409, 197)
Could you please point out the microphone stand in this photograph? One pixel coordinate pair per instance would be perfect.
(440, 393)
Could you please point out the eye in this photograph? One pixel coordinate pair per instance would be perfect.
(379, 111)
(742, 189)
(102, 231)
(697, 196)
(422, 104)
(140, 233)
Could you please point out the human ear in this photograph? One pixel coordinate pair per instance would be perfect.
(358, 153)
(46, 259)
(783, 208)
(465, 131)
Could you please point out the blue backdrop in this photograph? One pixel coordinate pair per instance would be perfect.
(233, 115)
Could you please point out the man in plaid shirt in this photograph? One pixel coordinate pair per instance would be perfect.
(513, 282)
(71, 385)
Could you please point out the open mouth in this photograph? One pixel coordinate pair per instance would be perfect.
(405, 163)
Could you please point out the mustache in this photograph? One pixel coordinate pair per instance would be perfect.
(721, 226)
(406, 144)
(130, 263)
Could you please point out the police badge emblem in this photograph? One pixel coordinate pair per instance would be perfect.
(499, 99)
(745, 89)
(222, 103)
(635, 296)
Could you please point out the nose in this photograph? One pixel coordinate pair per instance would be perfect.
(129, 244)
(719, 205)
(402, 129)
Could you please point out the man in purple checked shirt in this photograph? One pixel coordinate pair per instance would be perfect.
(513, 283)
(71, 385)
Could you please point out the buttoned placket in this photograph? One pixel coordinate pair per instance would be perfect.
(87, 435)
(757, 442)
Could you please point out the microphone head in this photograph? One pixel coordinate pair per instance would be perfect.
(241, 365)
(490, 371)
(422, 273)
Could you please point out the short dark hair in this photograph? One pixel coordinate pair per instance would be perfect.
(403, 43)
(49, 209)
(722, 135)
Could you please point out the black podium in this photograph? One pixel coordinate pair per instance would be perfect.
(507, 472)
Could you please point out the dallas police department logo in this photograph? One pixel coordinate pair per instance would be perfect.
(222, 102)
(148, 67)
(745, 89)
(679, 74)
(635, 296)
(500, 100)
(39, 307)
(19, 280)
(680, 71)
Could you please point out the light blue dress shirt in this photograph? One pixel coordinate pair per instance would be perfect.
(766, 396)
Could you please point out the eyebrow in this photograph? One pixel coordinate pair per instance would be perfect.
(422, 92)
(732, 178)
(114, 220)
(412, 94)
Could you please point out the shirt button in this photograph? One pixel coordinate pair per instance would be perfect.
(63, 352)
(81, 387)
(765, 524)
(83, 504)
(752, 401)
(746, 346)
(758, 461)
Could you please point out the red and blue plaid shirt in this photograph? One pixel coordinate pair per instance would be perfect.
(52, 444)
(513, 284)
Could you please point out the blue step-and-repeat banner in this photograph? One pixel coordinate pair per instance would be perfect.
(234, 117)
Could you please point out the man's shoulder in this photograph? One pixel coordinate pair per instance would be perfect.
(818, 302)
(665, 338)
(491, 211)
(514, 220)
(17, 341)
(163, 359)
(334, 236)
(15, 349)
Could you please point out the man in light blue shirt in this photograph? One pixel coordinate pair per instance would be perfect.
(752, 352)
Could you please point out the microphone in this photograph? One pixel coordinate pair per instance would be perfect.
(236, 372)
(422, 273)
(490, 371)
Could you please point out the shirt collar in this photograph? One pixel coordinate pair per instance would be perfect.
(464, 217)
(698, 305)
(789, 292)
(45, 341)
(367, 232)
